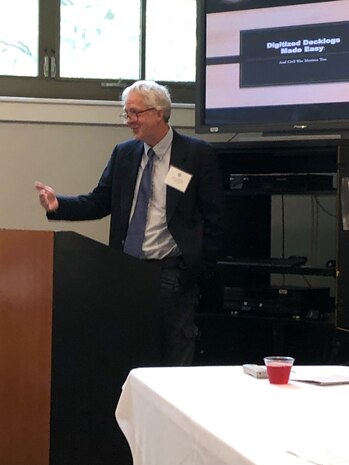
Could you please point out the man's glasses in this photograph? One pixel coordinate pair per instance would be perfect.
(133, 115)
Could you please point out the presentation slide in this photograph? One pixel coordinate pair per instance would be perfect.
(282, 55)
(295, 55)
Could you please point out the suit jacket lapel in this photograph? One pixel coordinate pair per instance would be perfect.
(178, 157)
(131, 162)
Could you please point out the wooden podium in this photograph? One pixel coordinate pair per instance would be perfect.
(75, 318)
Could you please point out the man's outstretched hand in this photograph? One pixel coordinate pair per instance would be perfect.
(47, 196)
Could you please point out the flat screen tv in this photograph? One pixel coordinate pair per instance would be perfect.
(273, 66)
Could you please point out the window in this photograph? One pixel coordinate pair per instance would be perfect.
(19, 46)
(171, 40)
(92, 49)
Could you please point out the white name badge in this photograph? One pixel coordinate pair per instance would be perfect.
(178, 179)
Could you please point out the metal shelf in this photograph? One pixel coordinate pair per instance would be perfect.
(225, 265)
(237, 192)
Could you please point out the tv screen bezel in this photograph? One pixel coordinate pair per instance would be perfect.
(276, 122)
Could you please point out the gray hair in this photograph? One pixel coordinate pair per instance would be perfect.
(154, 94)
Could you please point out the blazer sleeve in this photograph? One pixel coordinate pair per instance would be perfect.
(212, 205)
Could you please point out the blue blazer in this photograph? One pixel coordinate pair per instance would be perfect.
(194, 217)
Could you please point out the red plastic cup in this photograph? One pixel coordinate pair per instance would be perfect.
(278, 369)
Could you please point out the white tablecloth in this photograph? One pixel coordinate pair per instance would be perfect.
(221, 416)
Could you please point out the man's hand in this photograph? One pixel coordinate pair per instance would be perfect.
(47, 197)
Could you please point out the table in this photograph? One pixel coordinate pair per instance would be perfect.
(222, 416)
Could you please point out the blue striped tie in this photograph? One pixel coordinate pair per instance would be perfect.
(136, 228)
